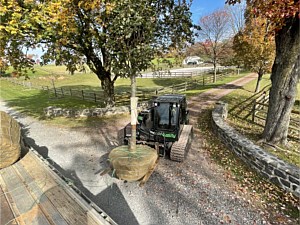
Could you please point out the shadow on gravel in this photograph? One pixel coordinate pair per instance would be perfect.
(30, 143)
(110, 200)
(195, 108)
(114, 203)
(229, 86)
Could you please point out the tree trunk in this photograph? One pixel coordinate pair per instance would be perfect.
(133, 101)
(215, 72)
(109, 91)
(284, 77)
(260, 75)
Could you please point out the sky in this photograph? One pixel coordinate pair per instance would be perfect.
(201, 8)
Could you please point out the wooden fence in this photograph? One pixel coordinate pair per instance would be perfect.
(177, 74)
(24, 83)
(254, 109)
(122, 98)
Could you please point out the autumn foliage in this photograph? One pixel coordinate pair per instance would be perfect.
(283, 17)
(254, 47)
(274, 10)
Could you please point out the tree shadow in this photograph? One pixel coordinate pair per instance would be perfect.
(230, 86)
(42, 150)
(34, 103)
(110, 200)
(49, 200)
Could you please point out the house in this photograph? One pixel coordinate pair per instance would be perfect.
(192, 60)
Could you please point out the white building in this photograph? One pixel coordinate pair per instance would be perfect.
(192, 60)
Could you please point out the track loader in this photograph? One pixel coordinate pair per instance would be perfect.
(164, 125)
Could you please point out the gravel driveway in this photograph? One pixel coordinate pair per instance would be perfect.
(192, 192)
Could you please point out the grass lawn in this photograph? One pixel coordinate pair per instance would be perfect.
(33, 102)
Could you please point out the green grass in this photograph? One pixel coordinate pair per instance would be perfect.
(90, 81)
(33, 102)
(158, 61)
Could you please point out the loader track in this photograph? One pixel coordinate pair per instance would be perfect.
(180, 147)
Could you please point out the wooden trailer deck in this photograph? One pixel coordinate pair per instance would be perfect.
(32, 193)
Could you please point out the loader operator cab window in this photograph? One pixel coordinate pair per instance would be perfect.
(166, 115)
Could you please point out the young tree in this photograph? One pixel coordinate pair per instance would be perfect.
(255, 48)
(214, 36)
(284, 16)
(95, 32)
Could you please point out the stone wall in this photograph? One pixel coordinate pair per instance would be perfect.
(279, 172)
(53, 111)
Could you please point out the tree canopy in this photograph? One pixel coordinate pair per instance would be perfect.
(276, 11)
(283, 16)
(113, 37)
(254, 47)
(215, 35)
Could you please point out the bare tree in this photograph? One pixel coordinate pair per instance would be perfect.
(215, 36)
(237, 16)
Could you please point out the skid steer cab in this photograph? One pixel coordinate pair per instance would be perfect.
(164, 125)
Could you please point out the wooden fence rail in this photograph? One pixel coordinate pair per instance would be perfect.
(123, 97)
(254, 109)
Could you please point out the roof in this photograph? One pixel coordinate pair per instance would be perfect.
(192, 58)
(177, 98)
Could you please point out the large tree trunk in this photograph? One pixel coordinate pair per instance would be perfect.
(284, 77)
(101, 69)
(109, 91)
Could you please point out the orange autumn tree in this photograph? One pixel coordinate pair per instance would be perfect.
(254, 47)
(283, 15)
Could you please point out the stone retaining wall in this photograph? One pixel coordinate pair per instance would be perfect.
(279, 172)
(53, 111)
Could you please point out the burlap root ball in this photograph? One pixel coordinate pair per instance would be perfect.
(10, 136)
(132, 166)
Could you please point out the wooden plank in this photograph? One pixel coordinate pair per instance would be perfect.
(33, 217)
(22, 203)
(72, 208)
(37, 171)
(6, 214)
(294, 128)
(69, 210)
(46, 206)
(17, 190)
(67, 207)
(8, 196)
(262, 104)
(42, 197)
